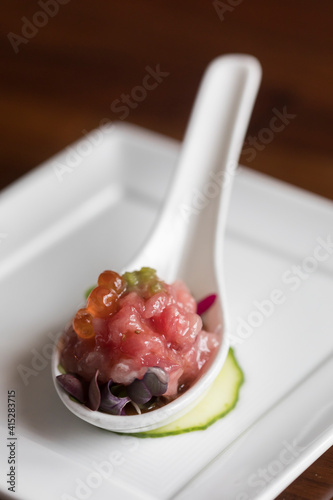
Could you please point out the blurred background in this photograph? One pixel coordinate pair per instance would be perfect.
(67, 66)
(62, 71)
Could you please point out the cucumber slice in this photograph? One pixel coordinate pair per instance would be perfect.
(219, 400)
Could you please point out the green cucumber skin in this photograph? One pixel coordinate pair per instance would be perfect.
(239, 380)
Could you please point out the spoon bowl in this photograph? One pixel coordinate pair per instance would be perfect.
(187, 242)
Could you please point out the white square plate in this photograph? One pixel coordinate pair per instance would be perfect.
(90, 208)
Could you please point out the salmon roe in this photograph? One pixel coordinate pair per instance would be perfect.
(82, 324)
(112, 281)
(102, 302)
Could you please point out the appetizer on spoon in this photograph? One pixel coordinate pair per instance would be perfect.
(138, 356)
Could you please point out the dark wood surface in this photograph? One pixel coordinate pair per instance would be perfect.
(63, 77)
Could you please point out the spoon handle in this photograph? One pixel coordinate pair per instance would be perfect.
(207, 163)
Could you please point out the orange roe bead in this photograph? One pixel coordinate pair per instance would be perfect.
(82, 324)
(112, 280)
(102, 302)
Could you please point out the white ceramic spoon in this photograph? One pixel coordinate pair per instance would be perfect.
(187, 240)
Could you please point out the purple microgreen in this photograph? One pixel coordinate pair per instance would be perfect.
(72, 385)
(205, 303)
(156, 379)
(111, 403)
(139, 392)
(154, 383)
(118, 390)
(94, 393)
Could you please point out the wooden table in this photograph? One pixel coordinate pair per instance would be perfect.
(68, 65)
